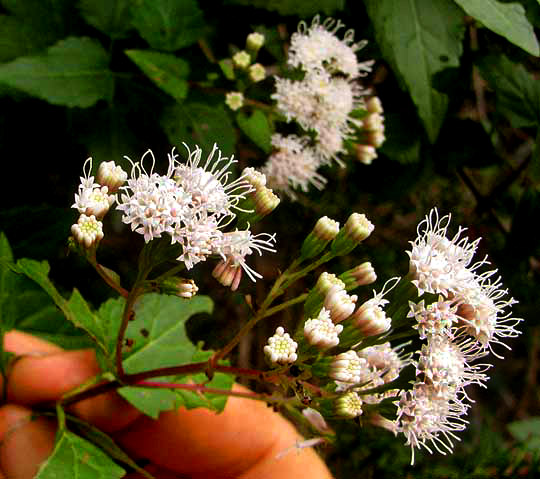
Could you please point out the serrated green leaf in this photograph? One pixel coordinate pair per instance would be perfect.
(420, 38)
(73, 72)
(257, 129)
(168, 24)
(149, 401)
(111, 17)
(75, 457)
(506, 19)
(205, 124)
(106, 443)
(159, 333)
(167, 71)
(517, 91)
(303, 8)
(76, 310)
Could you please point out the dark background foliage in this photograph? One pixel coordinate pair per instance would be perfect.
(462, 106)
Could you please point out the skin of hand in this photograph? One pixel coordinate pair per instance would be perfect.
(242, 442)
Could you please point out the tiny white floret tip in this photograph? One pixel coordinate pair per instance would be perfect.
(281, 348)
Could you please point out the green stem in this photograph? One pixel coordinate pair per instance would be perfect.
(104, 275)
(286, 304)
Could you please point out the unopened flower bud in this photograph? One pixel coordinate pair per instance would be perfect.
(325, 230)
(321, 332)
(254, 177)
(241, 59)
(228, 274)
(281, 348)
(254, 41)
(366, 154)
(111, 175)
(370, 319)
(376, 138)
(356, 229)
(186, 288)
(374, 105)
(340, 304)
(87, 231)
(349, 405)
(359, 276)
(374, 121)
(316, 419)
(347, 367)
(234, 100)
(316, 296)
(256, 72)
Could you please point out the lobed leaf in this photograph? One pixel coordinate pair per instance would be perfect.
(420, 38)
(73, 72)
(303, 8)
(506, 19)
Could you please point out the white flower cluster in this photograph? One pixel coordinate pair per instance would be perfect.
(322, 103)
(192, 203)
(469, 316)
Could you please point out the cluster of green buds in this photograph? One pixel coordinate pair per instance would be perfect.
(243, 69)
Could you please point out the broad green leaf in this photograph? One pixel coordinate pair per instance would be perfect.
(303, 8)
(403, 133)
(420, 38)
(75, 457)
(73, 72)
(506, 19)
(205, 124)
(111, 17)
(256, 128)
(110, 313)
(104, 442)
(517, 91)
(167, 71)
(159, 333)
(17, 38)
(168, 24)
(8, 280)
(49, 20)
(149, 401)
(76, 310)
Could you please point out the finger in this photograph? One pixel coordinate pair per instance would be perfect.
(37, 379)
(25, 443)
(21, 343)
(243, 441)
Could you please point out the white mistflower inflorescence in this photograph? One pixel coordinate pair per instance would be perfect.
(87, 231)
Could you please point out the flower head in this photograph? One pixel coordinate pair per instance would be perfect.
(321, 331)
(281, 348)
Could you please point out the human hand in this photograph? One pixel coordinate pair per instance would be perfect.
(243, 442)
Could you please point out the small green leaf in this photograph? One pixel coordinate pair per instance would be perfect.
(517, 91)
(73, 72)
(206, 124)
(527, 431)
(75, 457)
(227, 68)
(167, 71)
(506, 19)
(257, 129)
(111, 17)
(420, 38)
(303, 8)
(168, 24)
(159, 333)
